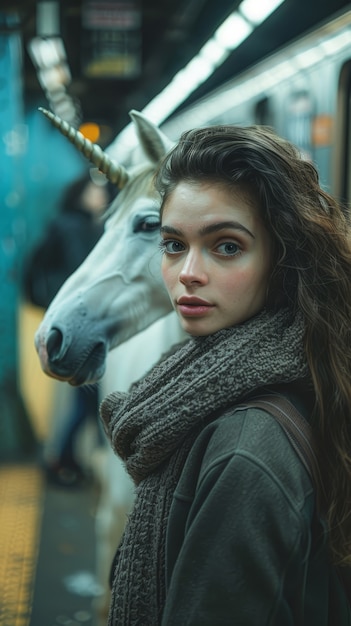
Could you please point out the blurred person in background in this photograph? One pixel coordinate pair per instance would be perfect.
(66, 242)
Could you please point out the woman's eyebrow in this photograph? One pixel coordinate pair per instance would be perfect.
(210, 228)
(213, 228)
(170, 230)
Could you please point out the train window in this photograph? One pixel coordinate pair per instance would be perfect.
(263, 112)
(299, 118)
(342, 148)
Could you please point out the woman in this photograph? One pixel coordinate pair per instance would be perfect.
(227, 527)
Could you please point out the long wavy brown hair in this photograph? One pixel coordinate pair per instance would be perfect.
(311, 271)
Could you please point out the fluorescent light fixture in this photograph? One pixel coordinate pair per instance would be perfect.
(49, 58)
(229, 35)
(57, 94)
(234, 30)
(197, 71)
(256, 11)
(214, 52)
(52, 78)
(47, 52)
(183, 83)
(167, 100)
(66, 110)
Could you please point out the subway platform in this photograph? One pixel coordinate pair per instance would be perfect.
(47, 546)
(47, 532)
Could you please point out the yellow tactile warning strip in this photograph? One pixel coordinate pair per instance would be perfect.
(21, 490)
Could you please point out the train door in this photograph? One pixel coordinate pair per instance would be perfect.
(263, 112)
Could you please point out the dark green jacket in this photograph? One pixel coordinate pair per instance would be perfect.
(245, 546)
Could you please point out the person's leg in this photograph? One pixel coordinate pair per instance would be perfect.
(78, 416)
(63, 395)
(65, 469)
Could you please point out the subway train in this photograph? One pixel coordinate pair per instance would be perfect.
(303, 91)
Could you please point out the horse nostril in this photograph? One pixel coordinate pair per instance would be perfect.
(54, 344)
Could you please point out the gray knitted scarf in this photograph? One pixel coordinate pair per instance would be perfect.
(153, 427)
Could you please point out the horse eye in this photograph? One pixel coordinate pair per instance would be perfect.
(147, 224)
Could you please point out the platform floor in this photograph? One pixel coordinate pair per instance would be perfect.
(47, 547)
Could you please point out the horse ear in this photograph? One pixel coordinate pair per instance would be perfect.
(153, 141)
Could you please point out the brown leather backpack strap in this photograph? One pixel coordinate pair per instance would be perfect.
(300, 436)
(296, 428)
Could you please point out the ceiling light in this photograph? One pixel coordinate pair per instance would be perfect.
(52, 78)
(197, 71)
(256, 11)
(214, 52)
(233, 31)
(66, 110)
(46, 52)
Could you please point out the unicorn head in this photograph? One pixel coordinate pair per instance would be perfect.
(118, 290)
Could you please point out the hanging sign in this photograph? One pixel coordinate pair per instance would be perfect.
(111, 39)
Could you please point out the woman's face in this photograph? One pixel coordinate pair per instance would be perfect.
(217, 256)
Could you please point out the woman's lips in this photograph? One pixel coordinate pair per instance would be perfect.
(193, 307)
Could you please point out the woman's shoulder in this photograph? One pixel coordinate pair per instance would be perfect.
(247, 431)
(247, 441)
(248, 427)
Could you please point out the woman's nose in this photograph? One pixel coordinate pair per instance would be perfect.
(193, 270)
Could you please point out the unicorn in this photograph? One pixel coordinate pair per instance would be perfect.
(118, 290)
(112, 319)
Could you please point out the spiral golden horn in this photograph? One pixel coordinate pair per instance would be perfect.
(115, 173)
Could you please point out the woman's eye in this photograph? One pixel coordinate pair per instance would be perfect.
(170, 246)
(228, 248)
